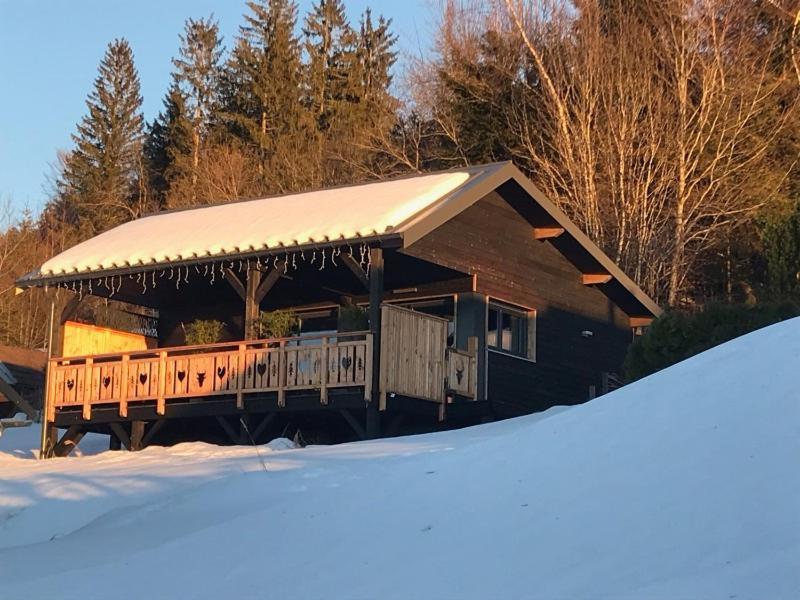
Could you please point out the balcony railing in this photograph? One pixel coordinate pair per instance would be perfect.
(308, 362)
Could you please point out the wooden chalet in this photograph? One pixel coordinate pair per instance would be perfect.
(481, 300)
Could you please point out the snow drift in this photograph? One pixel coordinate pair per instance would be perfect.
(683, 485)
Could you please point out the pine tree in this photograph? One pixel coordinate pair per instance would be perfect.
(169, 143)
(99, 184)
(376, 56)
(263, 102)
(197, 75)
(332, 71)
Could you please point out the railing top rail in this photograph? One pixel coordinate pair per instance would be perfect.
(216, 347)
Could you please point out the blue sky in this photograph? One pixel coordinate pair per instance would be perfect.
(49, 51)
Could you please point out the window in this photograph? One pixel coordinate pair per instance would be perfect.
(511, 330)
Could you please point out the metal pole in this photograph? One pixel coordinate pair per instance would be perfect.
(45, 398)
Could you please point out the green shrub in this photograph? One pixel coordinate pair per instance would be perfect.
(276, 324)
(677, 335)
(352, 318)
(201, 332)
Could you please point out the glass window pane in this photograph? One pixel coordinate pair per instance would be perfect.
(516, 334)
(491, 335)
(507, 332)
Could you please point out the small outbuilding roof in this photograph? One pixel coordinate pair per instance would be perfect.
(406, 209)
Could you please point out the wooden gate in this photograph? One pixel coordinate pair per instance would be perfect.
(413, 347)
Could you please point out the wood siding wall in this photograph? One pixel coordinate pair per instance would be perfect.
(81, 339)
(494, 242)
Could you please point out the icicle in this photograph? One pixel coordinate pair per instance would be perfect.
(350, 248)
(294, 261)
(144, 283)
(275, 262)
(302, 256)
(154, 279)
(334, 254)
(258, 263)
(313, 257)
(322, 266)
(186, 275)
(113, 291)
(213, 274)
(369, 261)
(90, 287)
(80, 290)
(171, 273)
(222, 271)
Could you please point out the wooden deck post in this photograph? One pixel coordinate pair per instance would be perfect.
(375, 299)
(87, 389)
(162, 383)
(251, 303)
(123, 387)
(241, 379)
(323, 375)
(137, 434)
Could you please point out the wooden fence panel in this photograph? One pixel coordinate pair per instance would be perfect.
(413, 353)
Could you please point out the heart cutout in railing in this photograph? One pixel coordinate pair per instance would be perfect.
(106, 381)
(70, 384)
(347, 362)
(261, 368)
(142, 378)
(201, 377)
(459, 373)
(220, 372)
(181, 375)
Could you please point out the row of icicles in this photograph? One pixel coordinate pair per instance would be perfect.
(180, 274)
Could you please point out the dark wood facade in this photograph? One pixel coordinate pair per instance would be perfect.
(494, 242)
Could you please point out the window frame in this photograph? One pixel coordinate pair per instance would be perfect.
(528, 329)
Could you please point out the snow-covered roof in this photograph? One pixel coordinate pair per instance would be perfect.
(344, 213)
(406, 208)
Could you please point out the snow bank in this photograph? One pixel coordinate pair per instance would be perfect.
(683, 485)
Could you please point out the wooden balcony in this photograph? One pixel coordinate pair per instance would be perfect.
(416, 363)
(311, 362)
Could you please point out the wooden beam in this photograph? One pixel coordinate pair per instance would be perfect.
(152, 431)
(69, 441)
(595, 278)
(268, 418)
(351, 264)
(375, 300)
(268, 282)
(13, 396)
(119, 432)
(137, 434)
(547, 233)
(236, 283)
(354, 424)
(226, 427)
(640, 321)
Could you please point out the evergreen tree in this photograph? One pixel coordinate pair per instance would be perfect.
(99, 184)
(263, 97)
(197, 75)
(376, 56)
(332, 70)
(169, 142)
